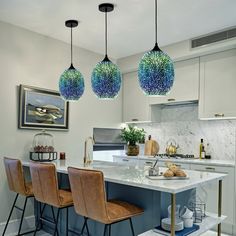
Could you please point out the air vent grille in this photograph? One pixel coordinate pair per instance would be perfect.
(213, 38)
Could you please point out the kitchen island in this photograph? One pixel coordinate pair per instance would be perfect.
(131, 184)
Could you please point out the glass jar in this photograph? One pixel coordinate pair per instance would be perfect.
(43, 142)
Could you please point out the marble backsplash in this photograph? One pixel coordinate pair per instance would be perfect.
(182, 124)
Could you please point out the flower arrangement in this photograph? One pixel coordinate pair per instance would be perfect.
(133, 135)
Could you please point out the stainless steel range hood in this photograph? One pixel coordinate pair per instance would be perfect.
(107, 139)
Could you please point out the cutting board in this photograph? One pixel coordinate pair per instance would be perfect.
(151, 148)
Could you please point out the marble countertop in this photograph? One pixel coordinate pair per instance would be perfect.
(226, 163)
(134, 176)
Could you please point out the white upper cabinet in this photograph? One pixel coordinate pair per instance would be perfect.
(135, 103)
(186, 83)
(218, 85)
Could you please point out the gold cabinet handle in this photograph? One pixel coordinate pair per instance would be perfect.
(134, 119)
(219, 115)
(125, 160)
(171, 99)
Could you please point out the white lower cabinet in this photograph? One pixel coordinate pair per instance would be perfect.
(211, 190)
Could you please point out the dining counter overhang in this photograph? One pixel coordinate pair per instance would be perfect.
(130, 183)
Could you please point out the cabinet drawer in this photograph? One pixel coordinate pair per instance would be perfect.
(126, 160)
(143, 163)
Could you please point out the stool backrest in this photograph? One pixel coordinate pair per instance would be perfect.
(45, 184)
(15, 175)
(88, 192)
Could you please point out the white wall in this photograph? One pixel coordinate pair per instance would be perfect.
(178, 52)
(33, 59)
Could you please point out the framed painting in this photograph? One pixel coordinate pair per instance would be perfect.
(42, 109)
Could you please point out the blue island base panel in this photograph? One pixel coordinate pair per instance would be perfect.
(154, 203)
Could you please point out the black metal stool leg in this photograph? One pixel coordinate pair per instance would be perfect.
(105, 230)
(86, 225)
(22, 215)
(131, 226)
(67, 219)
(39, 220)
(109, 230)
(54, 218)
(56, 223)
(9, 217)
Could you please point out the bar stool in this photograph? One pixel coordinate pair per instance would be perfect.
(17, 184)
(45, 187)
(88, 192)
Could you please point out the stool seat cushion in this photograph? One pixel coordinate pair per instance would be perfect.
(119, 210)
(65, 197)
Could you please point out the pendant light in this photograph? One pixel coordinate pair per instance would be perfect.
(71, 83)
(106, 76)
(156, 69)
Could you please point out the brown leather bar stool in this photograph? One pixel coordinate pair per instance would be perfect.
(45, 187)
(17, 184)
(88, 192)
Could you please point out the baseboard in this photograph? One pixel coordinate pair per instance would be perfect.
(28, 224)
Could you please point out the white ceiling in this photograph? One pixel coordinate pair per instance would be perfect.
(130, 25)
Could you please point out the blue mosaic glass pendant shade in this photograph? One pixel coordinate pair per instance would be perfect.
(156, 73)
(71, 84)
(106, 79)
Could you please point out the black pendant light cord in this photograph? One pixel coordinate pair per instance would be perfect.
(156, 22)
(71, 47)
(106, 34)
(156, 47)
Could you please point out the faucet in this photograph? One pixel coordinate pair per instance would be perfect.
(87, 159)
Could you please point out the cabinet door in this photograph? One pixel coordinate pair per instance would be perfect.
(186, 83)
(217, 85)
(228, 205)
(135, 103)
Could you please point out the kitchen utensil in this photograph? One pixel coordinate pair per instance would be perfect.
(166, 224)
(171, 147)
(151, 147)
(188, 222)
(153, 171)
(186, 213)
(177, 208)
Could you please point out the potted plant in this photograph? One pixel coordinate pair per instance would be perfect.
(133, 135)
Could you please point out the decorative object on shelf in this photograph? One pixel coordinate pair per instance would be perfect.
(106, 76)
(43, 156)
(43, 142)
(42, 109)
(43, 147)
(171, 147)
(132, 136)
(62, 155)
(71, 83)
(156, 69)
